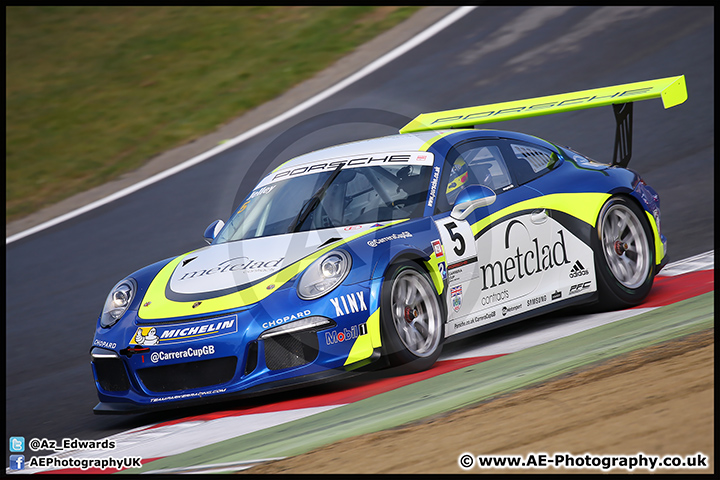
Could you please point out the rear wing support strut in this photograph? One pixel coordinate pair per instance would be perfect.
(623, 134)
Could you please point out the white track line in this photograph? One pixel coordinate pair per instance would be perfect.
(703, 261)
(577, 323)
(181, 437)
(367, 70)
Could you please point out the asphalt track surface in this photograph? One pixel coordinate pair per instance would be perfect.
(57, 279)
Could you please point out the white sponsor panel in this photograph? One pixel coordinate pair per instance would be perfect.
(531, 266)
(458, 245)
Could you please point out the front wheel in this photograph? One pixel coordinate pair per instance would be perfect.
(625, 254)
(412, 319)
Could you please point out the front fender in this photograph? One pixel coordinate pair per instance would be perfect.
(414, 243)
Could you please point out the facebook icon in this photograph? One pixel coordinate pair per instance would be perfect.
(17, 462)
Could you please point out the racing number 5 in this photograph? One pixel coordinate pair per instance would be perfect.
(456, 237)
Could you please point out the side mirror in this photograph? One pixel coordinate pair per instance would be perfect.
(470, 198)
(212, 230)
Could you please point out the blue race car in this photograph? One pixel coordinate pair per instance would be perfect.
(374, 253)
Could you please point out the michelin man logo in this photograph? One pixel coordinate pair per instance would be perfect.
(149, 338)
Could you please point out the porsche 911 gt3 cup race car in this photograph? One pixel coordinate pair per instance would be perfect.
(375, 253)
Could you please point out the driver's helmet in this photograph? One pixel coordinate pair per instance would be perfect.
(458, 177)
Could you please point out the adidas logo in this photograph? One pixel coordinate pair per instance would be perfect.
(578, 270)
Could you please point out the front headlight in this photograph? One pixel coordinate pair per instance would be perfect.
(117, 303)
(324, 274)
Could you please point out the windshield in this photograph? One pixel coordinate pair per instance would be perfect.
(315, 201)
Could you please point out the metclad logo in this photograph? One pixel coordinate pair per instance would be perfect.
(350, 303)
(237, 264)
(537, 258)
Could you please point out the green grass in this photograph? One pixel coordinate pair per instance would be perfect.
(93, 92)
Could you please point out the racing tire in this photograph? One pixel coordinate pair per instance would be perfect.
(412, 319)
(624, 254)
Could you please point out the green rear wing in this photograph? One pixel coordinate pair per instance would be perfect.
(672, 91)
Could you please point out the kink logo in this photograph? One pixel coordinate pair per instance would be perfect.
(578, 270)
(351, 303)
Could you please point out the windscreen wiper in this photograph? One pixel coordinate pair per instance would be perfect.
(313, 202)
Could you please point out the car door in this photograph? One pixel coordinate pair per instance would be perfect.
(572, 271)
(498, 255)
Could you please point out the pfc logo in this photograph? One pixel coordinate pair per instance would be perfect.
(579, 287)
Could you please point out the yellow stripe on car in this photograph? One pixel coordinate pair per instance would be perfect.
(584, 206)
(659, 249)
(162, 307)
(365, 344)
(429, 143)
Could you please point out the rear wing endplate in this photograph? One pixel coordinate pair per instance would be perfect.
(672, 91)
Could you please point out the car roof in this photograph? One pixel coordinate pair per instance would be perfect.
(402, 142)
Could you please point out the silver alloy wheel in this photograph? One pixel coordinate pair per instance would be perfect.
(416, 313)
(625, 246)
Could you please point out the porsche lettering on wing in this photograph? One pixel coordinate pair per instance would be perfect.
(589, 99)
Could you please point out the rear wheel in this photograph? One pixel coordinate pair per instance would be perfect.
(412, 318)
(625, 254)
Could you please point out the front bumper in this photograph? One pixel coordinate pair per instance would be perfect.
(177, 372)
